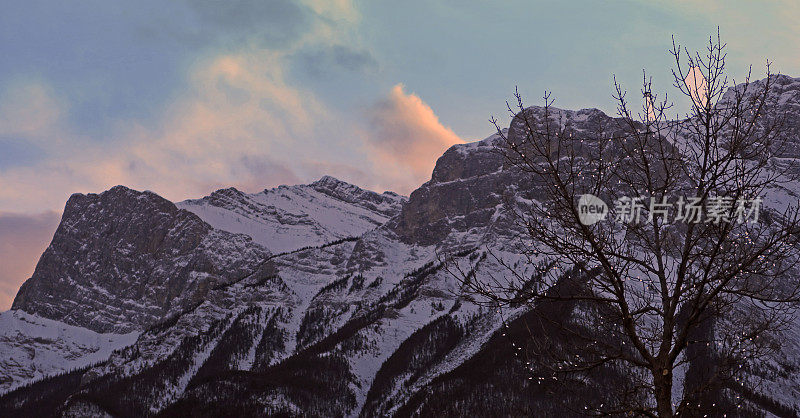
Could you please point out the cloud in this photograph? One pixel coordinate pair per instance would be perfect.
(775, 21)
(240, 126)
(240, 123)
(29, 108)
(59, 162)
(236, 120)
(222, 24)
(23, 238)
(322, 61)
(405, 138)
(335, 10)
(270, 23)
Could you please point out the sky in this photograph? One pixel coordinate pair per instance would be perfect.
(187, 96)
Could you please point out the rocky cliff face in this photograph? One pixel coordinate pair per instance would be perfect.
(123, 259)
(467, 184)
(472, 183)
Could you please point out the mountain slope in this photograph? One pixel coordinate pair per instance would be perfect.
(32, 348)
(291, 217)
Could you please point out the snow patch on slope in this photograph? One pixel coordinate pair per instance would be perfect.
(32, 347)
(287, 218)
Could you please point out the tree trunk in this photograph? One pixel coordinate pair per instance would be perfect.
(662, 379)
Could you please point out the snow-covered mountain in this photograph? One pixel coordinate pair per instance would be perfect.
(123, 259)
(311, 300)
(291, 217)
(143, 259)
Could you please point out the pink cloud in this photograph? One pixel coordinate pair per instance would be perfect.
(405, 139)
(239, 124)
(23, 238)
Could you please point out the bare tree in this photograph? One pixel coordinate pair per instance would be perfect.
(694, 272)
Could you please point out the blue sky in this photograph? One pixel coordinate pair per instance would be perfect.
(183, 97)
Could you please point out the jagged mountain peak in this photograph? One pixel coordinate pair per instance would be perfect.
(348, 191)
(228, 191)
(466, 160)
(286, 218)
(387, 203)
(327, 180)
(122, 259)
(117, 196)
